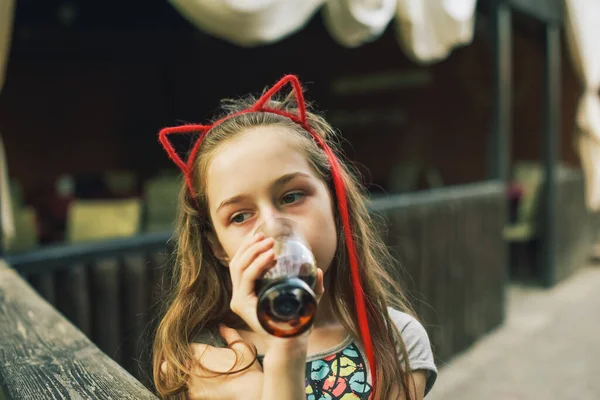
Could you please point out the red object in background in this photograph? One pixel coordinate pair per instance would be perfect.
(51, 211)
(514, 194)
(52, 204)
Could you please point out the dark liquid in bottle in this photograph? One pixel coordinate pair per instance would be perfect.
(263, 283)
(286, 306)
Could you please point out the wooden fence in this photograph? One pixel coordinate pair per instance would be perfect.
(576, 226)
(448, 241)
(452, 259)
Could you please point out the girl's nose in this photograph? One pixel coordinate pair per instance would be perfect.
(269, 213)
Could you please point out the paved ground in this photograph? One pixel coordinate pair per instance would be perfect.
(548, 349)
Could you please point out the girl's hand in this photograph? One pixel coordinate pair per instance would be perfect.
(247, 384)
(255, 257)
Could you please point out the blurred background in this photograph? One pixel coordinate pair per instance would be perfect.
(476, 126)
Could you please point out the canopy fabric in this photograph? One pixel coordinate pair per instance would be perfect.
(7, 8)
(7, 226)
(429, 30)
(352, 23)
(582, 30)
(248, 23)
(426, 30)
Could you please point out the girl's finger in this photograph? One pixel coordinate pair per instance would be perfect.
(236, 343)
(320, 285)
(246, 243)
(213, 359)
(255, 271)
(229, 334)
(247, 258)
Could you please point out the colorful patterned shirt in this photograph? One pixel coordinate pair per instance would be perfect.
(342, 373)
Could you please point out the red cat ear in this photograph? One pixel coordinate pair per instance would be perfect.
(296, 89)
(196, 134)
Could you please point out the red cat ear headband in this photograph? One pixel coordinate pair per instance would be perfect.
(340, 189)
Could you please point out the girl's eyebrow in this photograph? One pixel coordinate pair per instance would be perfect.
(230, 201)
(282, 180)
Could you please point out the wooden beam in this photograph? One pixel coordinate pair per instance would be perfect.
(48, 258)
(547, 11)
(45, 357)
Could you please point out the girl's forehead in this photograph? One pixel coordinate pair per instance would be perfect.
(256, 147)
(252, 159)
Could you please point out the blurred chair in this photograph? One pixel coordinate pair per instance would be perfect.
(406, 177)
(529, 175)
(121, 183)
(161, 194)
(16, 193)
(102, 219)
(26, 230)
(433, 177)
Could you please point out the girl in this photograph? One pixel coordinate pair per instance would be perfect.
(272, 158)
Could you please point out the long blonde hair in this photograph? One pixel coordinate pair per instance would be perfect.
(201, 292)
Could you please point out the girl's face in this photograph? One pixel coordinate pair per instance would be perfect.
(260, 174)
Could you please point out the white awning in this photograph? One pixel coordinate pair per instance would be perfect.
(426, 30)
(582, 28)
(7, 8)
(352, 23)
(429, 30)
(248, 23)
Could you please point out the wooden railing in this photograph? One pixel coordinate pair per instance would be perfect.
(448, 241)
(110, 290)
(452, 259)
(43, 356)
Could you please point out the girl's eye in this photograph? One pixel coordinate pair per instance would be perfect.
(291, 198)
(240, 218)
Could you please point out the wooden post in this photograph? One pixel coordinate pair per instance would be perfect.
(499, 147)
(73, 296)
(500, 138)
(550, 152)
